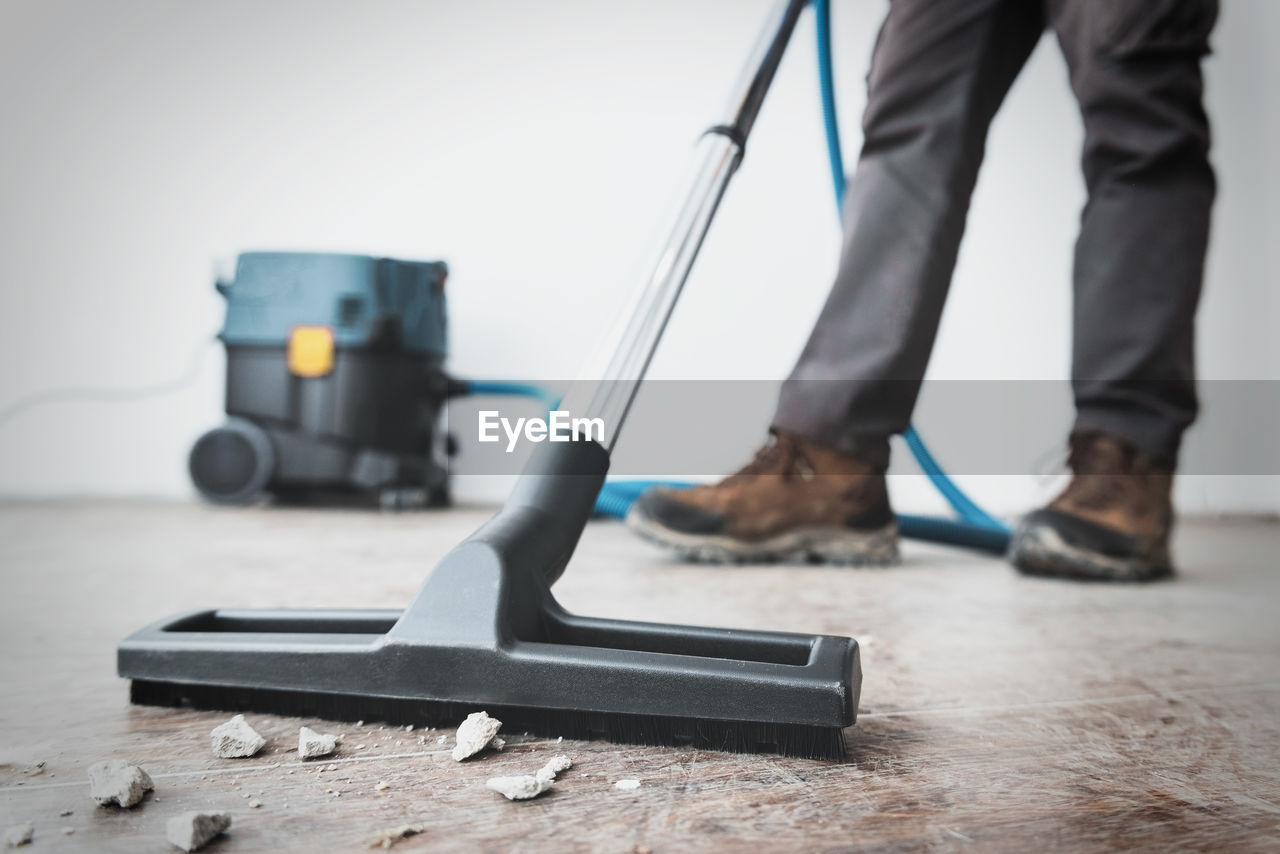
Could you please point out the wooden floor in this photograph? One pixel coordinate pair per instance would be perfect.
(998, 713)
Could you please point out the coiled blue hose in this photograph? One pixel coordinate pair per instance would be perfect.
(617, 496)
(975, 529)
(504, 388)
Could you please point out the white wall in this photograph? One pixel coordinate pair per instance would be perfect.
(534, 146)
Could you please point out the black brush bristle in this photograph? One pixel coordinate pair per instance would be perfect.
(798, 740)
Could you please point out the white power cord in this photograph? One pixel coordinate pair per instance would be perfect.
(98, 394)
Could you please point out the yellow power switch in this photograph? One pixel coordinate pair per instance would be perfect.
(310, 351)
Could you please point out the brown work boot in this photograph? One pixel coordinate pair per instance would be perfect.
(1111, 523)
(796, 500)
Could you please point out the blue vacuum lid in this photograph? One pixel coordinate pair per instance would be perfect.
(367, 301)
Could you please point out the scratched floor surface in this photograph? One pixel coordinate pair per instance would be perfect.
(998, 713)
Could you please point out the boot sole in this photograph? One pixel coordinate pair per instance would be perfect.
(835, 546)
(1040, 550)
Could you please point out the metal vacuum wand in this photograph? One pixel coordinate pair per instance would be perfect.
(612, 380)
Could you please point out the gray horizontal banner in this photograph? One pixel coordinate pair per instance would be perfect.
(708, 428)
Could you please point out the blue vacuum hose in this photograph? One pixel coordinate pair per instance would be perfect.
(501, 387)
(975, 528)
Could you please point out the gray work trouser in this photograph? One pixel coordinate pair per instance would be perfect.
(939, 72)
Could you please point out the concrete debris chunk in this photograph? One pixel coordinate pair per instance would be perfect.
(312, 744)
(116, 781)
(520, 788)
(389, 837)
(235, 739)
(191, 831)
(627, 785)
(554, 766)
(19, 835)
(526, 786)
(474, 734)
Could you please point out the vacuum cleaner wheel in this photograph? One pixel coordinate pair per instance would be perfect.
(232, 464)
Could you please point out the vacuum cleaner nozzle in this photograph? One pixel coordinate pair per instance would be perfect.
(485, 632)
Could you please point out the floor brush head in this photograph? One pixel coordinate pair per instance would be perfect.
(796, 740)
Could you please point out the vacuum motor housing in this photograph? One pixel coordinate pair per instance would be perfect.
(335, 381)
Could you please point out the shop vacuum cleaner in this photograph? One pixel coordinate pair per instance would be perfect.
(334, 383)
(485, 631)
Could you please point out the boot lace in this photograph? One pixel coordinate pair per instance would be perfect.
(779, 456)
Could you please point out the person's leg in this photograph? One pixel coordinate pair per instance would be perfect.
(1139, 261)
(1135, 69)
(940, 70)
(817, 491)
